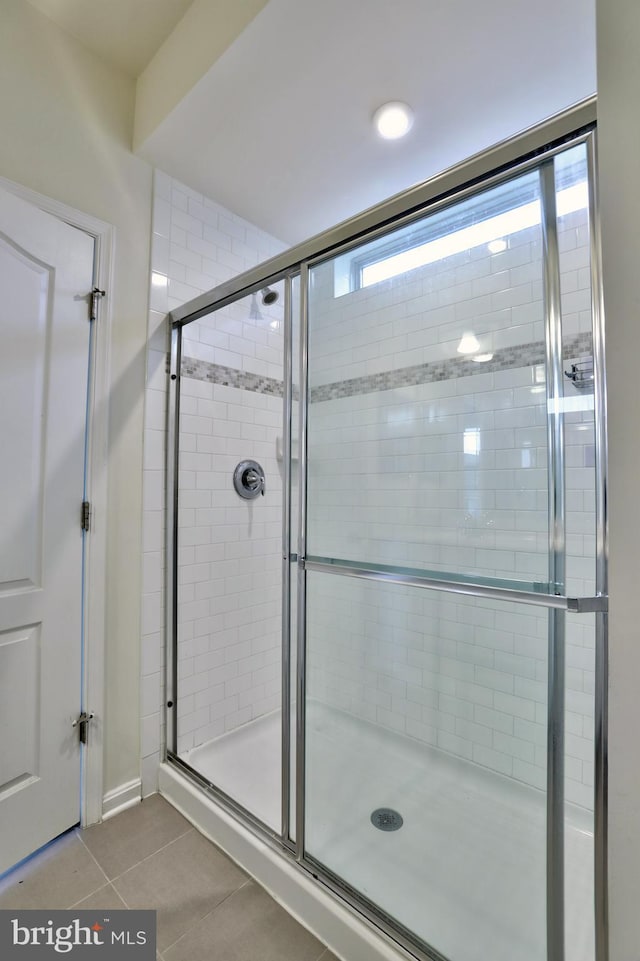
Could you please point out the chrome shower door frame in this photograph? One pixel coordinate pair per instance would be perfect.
(533, 149)
(557, 574)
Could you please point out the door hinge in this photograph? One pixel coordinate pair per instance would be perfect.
(85, 519)
(94, 297)
(82, 723)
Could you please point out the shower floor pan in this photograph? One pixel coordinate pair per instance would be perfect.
(245, 764)
(465, 871)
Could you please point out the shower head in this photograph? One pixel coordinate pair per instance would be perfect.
(269, 296)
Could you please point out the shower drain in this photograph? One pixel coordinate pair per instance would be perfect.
(386, 819)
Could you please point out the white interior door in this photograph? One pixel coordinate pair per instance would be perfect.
(46, 271)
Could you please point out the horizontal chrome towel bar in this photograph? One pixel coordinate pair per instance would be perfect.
(575, 605)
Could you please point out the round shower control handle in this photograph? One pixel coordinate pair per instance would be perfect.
(248, 479)
(251, 478)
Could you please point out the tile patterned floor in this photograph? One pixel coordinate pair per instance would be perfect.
(151, 857)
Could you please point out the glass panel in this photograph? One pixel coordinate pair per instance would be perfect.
(579, 435)
(293, 675)
(433, 706)
(577, 349)
(427, 404)
(579, 787)
(230, 553)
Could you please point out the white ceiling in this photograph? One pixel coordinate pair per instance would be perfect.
(279, 128)
(125, 33)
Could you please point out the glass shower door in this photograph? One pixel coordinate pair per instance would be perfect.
(230, 704)
(434, 459)
(392, 659)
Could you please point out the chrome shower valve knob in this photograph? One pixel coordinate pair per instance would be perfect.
(249, 479)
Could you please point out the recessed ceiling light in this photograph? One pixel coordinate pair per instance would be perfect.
(468, 344)
(393, 120)
(497, 246)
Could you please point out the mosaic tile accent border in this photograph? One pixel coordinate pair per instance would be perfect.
(525, 355)
(230, 377)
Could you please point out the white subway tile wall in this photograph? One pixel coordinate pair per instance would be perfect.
(450, 475)
(196, 244)
(229, 560)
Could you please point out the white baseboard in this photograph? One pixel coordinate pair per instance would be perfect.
(122, 797)
(346, 933)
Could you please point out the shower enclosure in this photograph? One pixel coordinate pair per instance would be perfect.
(387, 556)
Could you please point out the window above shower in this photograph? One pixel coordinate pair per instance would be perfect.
(493, 223)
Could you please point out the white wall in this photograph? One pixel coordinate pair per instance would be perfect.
(200, 37)
(197, 244)
(66, 121)
(619, 149)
